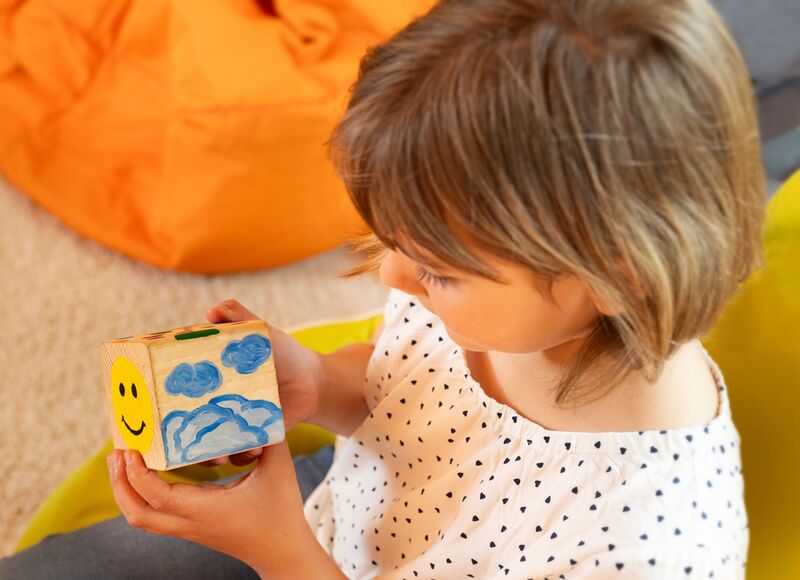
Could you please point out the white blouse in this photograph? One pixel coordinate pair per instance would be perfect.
(442, 481)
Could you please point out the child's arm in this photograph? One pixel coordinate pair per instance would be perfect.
(341, 405)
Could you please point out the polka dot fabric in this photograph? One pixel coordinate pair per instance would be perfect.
(442, 481)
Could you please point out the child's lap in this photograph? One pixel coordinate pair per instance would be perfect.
(114, 550)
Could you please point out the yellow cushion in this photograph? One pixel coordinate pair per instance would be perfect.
(757, 345)
(85, 498)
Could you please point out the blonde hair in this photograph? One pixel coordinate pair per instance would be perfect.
(613, 140)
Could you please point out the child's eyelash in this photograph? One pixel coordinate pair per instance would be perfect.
(425, 276)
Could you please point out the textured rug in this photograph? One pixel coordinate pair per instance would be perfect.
(62, 295)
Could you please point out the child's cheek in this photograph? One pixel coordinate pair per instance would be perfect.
(470, 328)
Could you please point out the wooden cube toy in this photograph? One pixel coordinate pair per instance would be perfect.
(193, 393)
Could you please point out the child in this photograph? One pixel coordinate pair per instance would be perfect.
(563, 195)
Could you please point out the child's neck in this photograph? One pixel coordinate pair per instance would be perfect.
(684, 395)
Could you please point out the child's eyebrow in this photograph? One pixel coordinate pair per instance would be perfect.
(432, 265)
(426, 261)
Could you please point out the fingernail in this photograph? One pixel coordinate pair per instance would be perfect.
(128, 457)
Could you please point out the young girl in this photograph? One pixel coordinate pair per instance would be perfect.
(563, 195)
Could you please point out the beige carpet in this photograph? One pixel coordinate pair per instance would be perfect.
(62, 295)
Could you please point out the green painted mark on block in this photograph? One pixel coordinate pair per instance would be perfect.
(196, 334)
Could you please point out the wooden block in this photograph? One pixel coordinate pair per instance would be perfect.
(194, 393)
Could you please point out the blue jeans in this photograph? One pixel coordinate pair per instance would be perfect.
(114, 550)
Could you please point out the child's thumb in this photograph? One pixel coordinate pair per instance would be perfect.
(227, 311)
(237, 311)
(275, 462)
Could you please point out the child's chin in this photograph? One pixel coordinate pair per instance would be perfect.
(467, 343)
(472, 345)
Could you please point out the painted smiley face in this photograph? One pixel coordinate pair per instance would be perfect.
(133, 409)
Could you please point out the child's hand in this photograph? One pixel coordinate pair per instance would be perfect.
(257, 519)
(297, 367)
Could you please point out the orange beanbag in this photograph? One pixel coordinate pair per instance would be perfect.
(184, 133)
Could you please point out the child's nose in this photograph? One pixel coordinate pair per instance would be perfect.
(397, 271)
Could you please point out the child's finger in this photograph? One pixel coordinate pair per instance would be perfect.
(237, 310)
(218, 314)
(214, 316)
(214, 462)
(246, 456)
(229, 311)
(163, 497)
(134, 508)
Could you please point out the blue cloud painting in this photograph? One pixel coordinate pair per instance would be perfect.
(248, 354)
(226, 424)
(193, 380)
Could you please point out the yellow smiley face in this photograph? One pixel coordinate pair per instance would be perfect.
(133, 410)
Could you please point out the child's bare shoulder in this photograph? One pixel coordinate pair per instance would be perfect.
(687, 394)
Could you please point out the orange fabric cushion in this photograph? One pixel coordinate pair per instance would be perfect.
(186, 134)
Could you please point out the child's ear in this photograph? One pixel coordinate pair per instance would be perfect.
(609, 307)
(605, 306)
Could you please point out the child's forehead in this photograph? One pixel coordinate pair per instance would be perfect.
(420, 254)
(424, 255)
